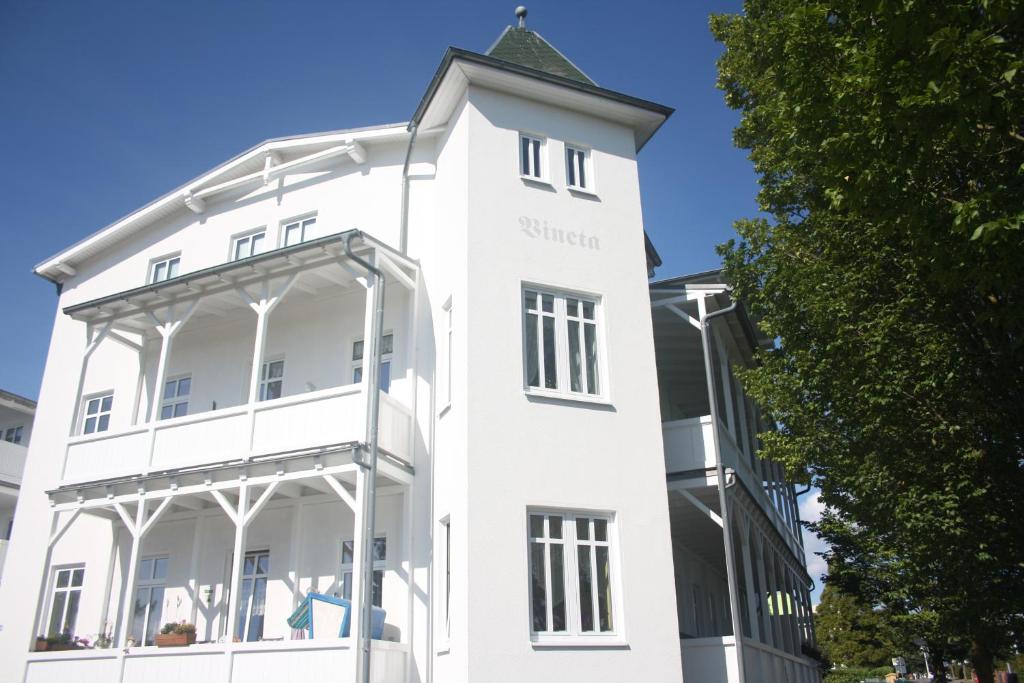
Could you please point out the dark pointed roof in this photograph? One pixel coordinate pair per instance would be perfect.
(524, 47)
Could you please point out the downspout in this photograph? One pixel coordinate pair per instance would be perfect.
(730, 564)
(403, 244)
(369, 506)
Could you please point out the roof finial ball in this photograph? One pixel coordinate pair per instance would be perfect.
(521, 14)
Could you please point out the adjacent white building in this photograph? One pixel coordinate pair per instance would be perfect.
(548, 452)
(16, 416)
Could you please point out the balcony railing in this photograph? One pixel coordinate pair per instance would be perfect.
(295, 660)
(318, 418)
(12, 462)
(704, 659)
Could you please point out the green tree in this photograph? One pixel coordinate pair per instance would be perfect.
(887, 136)
(850, 632)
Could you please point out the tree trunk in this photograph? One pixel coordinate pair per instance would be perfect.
(981, 660)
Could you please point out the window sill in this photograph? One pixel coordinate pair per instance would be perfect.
(581, 642)
(444, 411)
(540, 182)
(589, 194)
(532, 393)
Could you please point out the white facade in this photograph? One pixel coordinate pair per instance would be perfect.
(204, 411)
(16, 417)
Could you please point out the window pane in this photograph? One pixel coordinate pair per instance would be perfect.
(263, 564)
(385, 376)
(601, 529)
(582, 158)
(550, 373)
(166, 412)
(273, 390)
(170, 388)
(582, 528)
(357, 375)
(243, 604)
(536, 158)
(106, 402)
(57, 613)
(590, 340)
(388, 344)
(572, 307)
(548, 303)
(604, 588)
(92, 407)
(586, 588)
(524, 159)
(72, 613)
(346, 585)
(357, 350)
(160, 568)
(380, 549)
(378, 588)
(346, 552)
(569, 163)
(172, 268)
(531, 301)
(159, 272)
(532, 364)
(241, 248)
(575, 362)
(538, 590)
(588, 310)
(139, 613)
(62, 578)
(77, 576)
(536, 526)
(103, 423)
(146, 569)
(90, 425)
(180, 409)
(554, 526)
(277, 369)
(184, 386)
(256, 244)
(249, 565)
(156, 608)
(557, 586)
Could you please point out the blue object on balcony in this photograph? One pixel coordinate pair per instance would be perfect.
(319, 612)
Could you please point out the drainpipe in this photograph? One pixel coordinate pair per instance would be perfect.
(403, 244)
(730, 564)
(369, 506)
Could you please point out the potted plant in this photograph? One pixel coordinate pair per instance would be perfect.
(41, 643)
(176, 635)
(64, 641)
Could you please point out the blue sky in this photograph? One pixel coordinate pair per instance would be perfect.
(107, 105)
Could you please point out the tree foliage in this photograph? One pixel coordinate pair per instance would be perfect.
(888, 137)
(851, 632)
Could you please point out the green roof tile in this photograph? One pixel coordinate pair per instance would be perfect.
(526, 48)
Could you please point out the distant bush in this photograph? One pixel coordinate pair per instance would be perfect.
(857, 674)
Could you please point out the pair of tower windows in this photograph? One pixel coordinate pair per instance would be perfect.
(533, 163)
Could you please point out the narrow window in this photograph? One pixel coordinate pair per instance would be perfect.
(149, 599)
(541, 356)
(13, 434)
(386, 352)
(175, 398)
(571, 553)
(97, 413)
(380, 556)
(547, 574)
(576, 162)
(164, 269)
(252, 603)
(272, 380)
(296, 232)
(581, 327)
(446, 534)
(448, 354)
(67, 594)
(530, 156)
(248, 245)
(561, 342)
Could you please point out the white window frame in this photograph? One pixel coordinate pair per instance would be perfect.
(574, 635)
(254, 576)
(302, 223)
(265, 380)
(560, 313)
(573, 166)
(537, 155)
(149, 583)
(169, 262)
(174, 401)
(66, 590)
(247, 238)
(444, 578)
(99, 414)
(386, 358)
(345, 569)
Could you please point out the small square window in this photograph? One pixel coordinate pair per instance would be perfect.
(531, 157)
(164, 269)
(296, 232)
(577, 168)
(248, 245)
(272, 380)
(175, 399)
(96, 417)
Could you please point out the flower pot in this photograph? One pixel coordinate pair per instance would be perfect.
(60, 647)
(175, 639)
(42, 645)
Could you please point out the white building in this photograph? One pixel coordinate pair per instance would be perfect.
(206, 451)
(16, 416)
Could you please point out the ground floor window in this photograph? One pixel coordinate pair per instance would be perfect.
(571, 574)
(149, 599)
(252, 603)
(67, 594)
(380, 553)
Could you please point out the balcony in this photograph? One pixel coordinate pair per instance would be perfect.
(292, 423)
(12, 462)
(300, 660)
(704, 659)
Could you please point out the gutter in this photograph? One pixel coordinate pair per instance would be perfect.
(369, 502)
(730, 558)
(403, 240)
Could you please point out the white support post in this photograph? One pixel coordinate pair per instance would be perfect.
(127, 605)
(748, 576)
(362, 481)
(238, 556)
(295, 550)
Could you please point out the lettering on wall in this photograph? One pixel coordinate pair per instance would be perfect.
(540, 230)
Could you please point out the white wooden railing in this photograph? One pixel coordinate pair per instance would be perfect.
(12, 461)
(294, 660)
(316, 418)
(714, 659)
